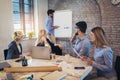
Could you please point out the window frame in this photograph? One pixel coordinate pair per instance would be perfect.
(22, 15)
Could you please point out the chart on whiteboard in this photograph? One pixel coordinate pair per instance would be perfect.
(63, 18)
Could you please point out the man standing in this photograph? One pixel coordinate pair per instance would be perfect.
(49, 25)
(81, 44)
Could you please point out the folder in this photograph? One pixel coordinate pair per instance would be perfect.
(56, 75)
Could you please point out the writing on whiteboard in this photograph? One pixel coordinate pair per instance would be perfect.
(63, 18)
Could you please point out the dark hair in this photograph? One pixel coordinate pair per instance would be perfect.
(50, 11)
(100, 37)
(82, 26)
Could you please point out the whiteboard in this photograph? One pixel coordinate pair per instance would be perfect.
(63, 18)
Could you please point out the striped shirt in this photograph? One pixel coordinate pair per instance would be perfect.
(81, 46)
(103, 61)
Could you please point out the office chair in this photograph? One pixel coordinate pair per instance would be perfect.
(117, 67)
(5, 53)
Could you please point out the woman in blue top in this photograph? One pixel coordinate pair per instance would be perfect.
(103, 57)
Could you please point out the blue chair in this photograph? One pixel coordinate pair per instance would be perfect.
(117, 67)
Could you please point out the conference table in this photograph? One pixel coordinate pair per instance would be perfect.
(67, 63)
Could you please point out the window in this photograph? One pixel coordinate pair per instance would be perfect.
(23, 16)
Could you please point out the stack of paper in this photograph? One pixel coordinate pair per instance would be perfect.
(56, 75)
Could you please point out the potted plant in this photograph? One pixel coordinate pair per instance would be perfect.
(31, 35)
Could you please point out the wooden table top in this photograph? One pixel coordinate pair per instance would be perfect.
(67, 64)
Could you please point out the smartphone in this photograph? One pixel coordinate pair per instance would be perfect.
(79, 67)
(76, 33)
(18, 60)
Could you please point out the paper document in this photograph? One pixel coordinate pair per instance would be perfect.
(56, 75)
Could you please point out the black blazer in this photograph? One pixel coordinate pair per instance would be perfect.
(13, 51)
(55, 49)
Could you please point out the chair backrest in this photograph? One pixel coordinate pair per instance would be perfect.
(117, 67)
(5, 53)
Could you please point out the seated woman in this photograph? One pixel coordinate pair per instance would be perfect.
(103, 57)
(44, 41)
(15, 47)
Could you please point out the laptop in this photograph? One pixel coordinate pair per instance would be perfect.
(41, 52)
(4, 65)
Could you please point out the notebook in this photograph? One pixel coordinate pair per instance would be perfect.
(41, 52)
(75, 52)
(4, 65)
(56, 75)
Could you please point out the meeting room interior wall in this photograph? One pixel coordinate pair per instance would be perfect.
(6, 25)
(82, 10)
(40, 9)
(95, 13)
(111, 23)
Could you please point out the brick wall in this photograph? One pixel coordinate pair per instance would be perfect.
(111, 23)
(83, 10)
(95, 13)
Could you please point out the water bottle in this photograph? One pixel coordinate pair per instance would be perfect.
(24, 61)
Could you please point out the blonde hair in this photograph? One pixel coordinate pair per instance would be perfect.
(17, 35)
(101, 40)
(42, 34)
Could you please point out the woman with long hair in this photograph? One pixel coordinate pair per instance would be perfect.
(102, 58)
(41, 40)
(44, 41)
